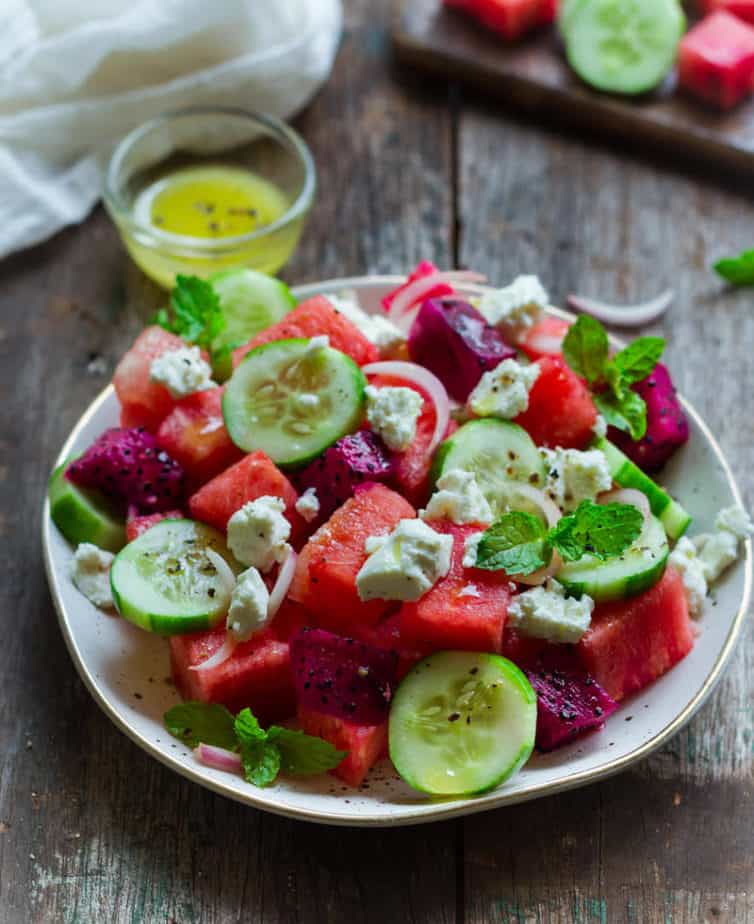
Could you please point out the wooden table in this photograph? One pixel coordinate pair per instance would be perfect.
(93, 830)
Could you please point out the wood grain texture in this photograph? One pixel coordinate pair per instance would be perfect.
(533, 75)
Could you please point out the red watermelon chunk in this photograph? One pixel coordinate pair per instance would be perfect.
(466, 610)
(387, 634)
(633, 642)
(365, 744)
(545, 338)
(325, 579)
(743, 9)
(561, 411)
(510, 18)
(257, 675)
(716, 60)
(144, 403)
(254, 476)
(522, 649)
(136, 525)
(194, 434)
(311, 318)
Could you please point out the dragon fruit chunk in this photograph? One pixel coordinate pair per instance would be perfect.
(357, 459)
(342, 677)
(129, 467)
(569, 701)
(453, 340)
(667, 426)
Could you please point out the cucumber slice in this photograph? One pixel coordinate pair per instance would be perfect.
(164, 582)
(638, 568)
(498, 452)
(82, 515)
(628, 475)
(462, 723)
(264, 408)
(250, 301)
(622, 46)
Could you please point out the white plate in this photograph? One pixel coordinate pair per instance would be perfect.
(126, 669)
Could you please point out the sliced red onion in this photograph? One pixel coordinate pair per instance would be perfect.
(628, 496)
(424, 379)
(218, 758)
(404, 301)
(282, 583)
(548, 507)
(224, 571)
(623, 315)
(222, 654)
(536, 578)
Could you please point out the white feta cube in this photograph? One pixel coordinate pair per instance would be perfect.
(504, 390)
(470, 548)
(377, 328)
(735, 520)
(392, 413)
(684, 559)
(249, 603)
(182, 371)
(573, 476)
(516, 307)
(546, 612)
(90, 571)
(258, 533)
(716, 552)
(307, 506)
(458, 498)
(405, 564)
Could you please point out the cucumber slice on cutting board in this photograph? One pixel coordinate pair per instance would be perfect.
(628, 475)
(622, 46)
(165, 582)
(638, 568)
(83, 515)
(498, 452)
(462, 723)
(293, 402)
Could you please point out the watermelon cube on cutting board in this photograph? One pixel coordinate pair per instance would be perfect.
(365, 744)
(561, 411)
(466, 610)
(632, 642)
(716, 60)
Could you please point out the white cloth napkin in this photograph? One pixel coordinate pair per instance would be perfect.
(77, 75)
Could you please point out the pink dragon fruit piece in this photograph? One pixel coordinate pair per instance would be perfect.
(128, 466)
(453, 340)
(569, 701)
(667, 426)
(354, 460)
(342, 677)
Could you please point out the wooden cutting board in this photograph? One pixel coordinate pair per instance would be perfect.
(533, 75)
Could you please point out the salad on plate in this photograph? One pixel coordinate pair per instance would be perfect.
(434, 533)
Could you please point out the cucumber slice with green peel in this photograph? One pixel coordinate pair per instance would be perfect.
(498, 452)
(293, 402)
(83, 515)
(637, 569)
(622, 46)
(461, 723)
(165, 582)
(628, 475)
(250, 302)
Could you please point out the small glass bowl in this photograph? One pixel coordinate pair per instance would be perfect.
(212, 136)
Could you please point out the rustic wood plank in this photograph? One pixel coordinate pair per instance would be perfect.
(91, 829)
(665, 842)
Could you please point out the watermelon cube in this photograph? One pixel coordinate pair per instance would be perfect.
(365, 744)
(387, 634)
(257, 675)
(194, 434)
(466, 610)
(311, 318)
(545, 338)
(633, 642)
(510, 18)
(716, 60)
(561, 411)
(144, 403)
(744, 9)
(325, 579)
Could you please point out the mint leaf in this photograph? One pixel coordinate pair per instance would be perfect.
(738, 271)
(639, 358)
(201, 723)
(247, 729)
(602, 530)
(261, 762)
(303, 754)
(585, 348)
(195, 315)
(627, 412)
(515, 543)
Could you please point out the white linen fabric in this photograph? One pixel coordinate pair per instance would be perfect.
(77, 75)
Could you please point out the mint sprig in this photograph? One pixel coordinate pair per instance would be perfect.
(519, 543)
(264, 754)
(586, 350)
(738, 271)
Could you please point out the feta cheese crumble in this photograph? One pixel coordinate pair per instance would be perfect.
(516, 307)
(504, 390)
(377, 328)
(182, 371)
(573, 476)
(90, 571)
(458, 499)
(320, 342)
(683, 558)
(405, 564)
(470, 548)
(249, 603)
(258, 533)
(546, 612)
(307, 506)
(392, 413)
(735, 520)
